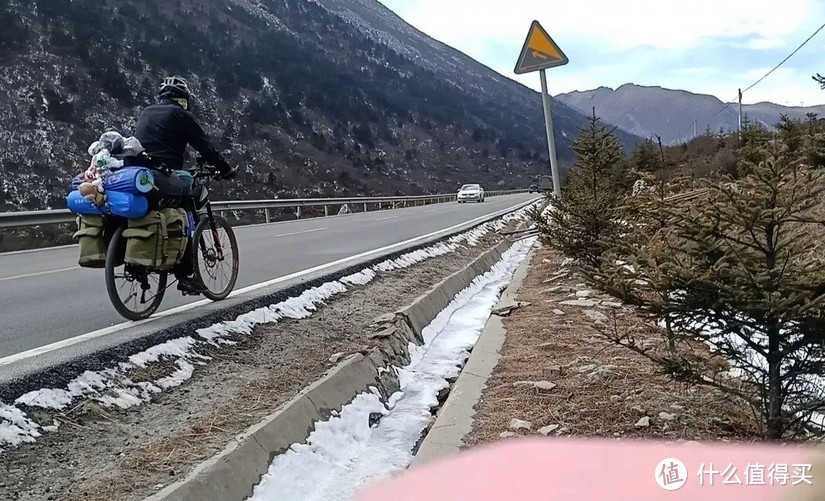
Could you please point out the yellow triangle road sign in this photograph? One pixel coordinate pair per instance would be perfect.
(539, 52)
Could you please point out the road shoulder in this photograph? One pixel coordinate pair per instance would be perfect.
(557, 375)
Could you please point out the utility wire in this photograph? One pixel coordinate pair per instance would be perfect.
(751, 86)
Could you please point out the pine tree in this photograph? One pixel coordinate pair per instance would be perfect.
(645, 157)
(739, 269)
(583, 218)
(814, 141)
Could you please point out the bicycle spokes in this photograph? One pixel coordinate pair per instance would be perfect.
(138, 285)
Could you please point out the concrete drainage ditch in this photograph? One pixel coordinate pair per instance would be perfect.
(238, 468)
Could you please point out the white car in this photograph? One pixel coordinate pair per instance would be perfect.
(470, 192)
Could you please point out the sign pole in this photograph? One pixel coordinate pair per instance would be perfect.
(551, 140)
(539, 53)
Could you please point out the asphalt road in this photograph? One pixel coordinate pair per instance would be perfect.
(45, 297)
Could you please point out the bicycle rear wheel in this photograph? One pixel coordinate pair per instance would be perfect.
(131, 287)
(216, 257)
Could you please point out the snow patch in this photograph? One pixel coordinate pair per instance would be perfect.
(345, 452)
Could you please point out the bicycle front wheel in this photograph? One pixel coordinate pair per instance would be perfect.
(216, 260)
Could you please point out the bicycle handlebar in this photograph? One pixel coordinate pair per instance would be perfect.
(207, 171)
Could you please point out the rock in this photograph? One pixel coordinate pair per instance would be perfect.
(585, 303)
(676, 406)
(506, 434)
(546, 430)
(604, 373)
(557, 311)
(595, 316)
(505, 311)
(384, 319)
(666, 416)
(612, 304)
(643, 422)
(389, 331)
(585, 293)
(336, 357)
(539, 385)
(552, 369)
(520, 424)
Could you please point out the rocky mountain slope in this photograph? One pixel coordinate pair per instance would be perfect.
(646, 111)
(311, 98)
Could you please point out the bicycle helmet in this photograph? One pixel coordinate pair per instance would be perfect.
(175, 87)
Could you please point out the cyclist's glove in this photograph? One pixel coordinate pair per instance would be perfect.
(225, 171)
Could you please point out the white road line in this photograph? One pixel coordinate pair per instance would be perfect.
(385, 218)
(27, 275)
(300, 232)
(57, 247)
(125, 325)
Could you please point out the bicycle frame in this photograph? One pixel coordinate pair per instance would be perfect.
(207, 208)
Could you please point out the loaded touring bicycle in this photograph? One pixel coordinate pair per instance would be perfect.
(136, 223)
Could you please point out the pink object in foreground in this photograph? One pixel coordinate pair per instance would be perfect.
(562, 469)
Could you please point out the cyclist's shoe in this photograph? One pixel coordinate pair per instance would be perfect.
(190, 286)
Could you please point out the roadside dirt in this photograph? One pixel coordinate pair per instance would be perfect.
(602, 390)
(105, 454)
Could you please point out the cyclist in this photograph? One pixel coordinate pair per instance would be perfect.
(164, 130)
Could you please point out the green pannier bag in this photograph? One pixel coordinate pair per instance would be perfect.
(157, 240)
(92, 242)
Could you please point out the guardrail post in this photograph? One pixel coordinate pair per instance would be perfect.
(365, 206)
(326, 211)
(266, 214)
(298, 212)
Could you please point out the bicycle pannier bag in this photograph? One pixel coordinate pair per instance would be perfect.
(157, 240)
(92, 242)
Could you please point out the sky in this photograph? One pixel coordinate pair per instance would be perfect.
(703, 46)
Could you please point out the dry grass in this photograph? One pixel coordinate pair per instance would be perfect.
(172, 454)
(602, 389)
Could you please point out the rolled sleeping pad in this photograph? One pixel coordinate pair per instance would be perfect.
(134, 180)
(118, 203)
(79, 205)
(130, 205)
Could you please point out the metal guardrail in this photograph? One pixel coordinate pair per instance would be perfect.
(40, 217)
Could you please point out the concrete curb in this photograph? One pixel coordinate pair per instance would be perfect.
(454, 419)
(233, 473)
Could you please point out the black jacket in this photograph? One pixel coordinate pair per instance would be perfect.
(164, 130)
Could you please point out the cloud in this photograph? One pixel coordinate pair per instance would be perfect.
(618, 26)
(706, 46)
